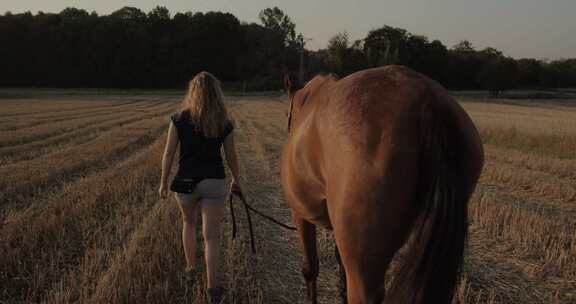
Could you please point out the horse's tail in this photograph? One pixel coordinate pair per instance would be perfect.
(434, 257)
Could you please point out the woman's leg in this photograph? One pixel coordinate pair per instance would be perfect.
(188, 207)
(211, 215)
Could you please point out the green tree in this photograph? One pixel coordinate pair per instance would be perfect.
(498, 75)
(463, 46)
(337, 52)
(385, 45)
(159, 13)
(464, 65)
(71, 12)
(129, 14)
(343, 57)
(530, 72)
(275, 19)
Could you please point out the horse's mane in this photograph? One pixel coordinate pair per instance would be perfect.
(324, 76)
(298, 86)
(327, 74)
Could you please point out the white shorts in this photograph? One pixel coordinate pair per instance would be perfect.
(208, 190)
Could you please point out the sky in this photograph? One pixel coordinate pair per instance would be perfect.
(542, 29)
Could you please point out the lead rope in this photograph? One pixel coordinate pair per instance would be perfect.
(248, 208)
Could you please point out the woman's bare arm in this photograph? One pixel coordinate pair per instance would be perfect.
(168, 157)
(231, 156)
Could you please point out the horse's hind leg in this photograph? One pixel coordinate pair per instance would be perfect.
(342, 281)
(307, 232)
(366, 249)
(365, 273)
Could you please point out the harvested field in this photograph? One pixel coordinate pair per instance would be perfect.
(80, 220)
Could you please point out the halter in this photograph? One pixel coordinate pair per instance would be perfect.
(290, 112)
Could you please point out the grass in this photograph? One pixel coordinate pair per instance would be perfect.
(60, 126)
(82, 134)
(26, 121)
(82, 223)
(26, 181)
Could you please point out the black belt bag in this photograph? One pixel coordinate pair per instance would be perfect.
(184, 186)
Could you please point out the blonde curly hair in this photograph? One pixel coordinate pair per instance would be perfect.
(205, 102)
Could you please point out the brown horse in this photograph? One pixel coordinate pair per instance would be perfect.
(379, 156)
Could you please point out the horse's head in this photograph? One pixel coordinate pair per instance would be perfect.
(299, 95)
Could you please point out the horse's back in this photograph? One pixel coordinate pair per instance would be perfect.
(376, 113)
(362, 142)
(372, 119)
(376, 100)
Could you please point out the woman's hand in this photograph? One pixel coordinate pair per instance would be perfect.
(235, 187)
(163, 190)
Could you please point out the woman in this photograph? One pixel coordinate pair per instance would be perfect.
(202, 127)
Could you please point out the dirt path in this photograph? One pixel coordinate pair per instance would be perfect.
(262, 132)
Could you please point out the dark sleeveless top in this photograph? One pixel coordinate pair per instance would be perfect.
(199, 155)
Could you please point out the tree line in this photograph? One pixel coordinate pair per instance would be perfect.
(130, 48)
(459, 67)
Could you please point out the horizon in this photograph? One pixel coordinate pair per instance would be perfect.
(514, 36)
